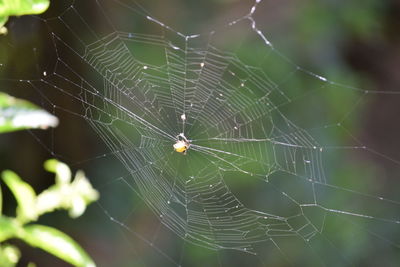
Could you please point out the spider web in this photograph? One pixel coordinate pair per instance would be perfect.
(253, 179)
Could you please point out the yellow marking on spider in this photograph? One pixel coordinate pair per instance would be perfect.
(182, 144)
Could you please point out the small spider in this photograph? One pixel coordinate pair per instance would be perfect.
(182, 144)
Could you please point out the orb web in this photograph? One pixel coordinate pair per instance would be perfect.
(139, 90)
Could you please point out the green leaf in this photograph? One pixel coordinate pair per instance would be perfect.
(1, 201)
(3, 20)
(9, 255)
(17, 114)
(8, 228)
(22, 7)
(24, 194)
(73, 196)
(62, 171)
(57, 243)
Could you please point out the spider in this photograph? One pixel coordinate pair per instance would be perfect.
(182, 144)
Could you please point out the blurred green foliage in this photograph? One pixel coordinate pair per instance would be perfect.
(17, 114)
(19, 8)
(73, 196)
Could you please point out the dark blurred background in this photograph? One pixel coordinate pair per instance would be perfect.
(354, 43)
